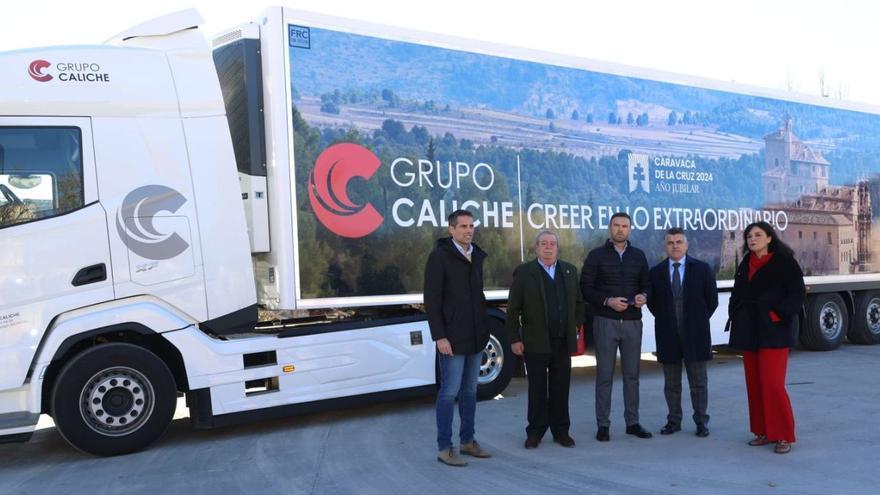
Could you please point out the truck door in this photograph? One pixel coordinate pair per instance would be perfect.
(54, 249)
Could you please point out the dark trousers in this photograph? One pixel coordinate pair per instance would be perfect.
(549, 379)
(612, 335)
(698, 381)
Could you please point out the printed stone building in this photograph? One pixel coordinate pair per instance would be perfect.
(829, 227)
(792, 168)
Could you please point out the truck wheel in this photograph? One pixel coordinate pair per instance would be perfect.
(497, 364)
(113, 399)
(866, 325)
(824, 327)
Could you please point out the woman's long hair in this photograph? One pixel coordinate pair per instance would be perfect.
(776, 244)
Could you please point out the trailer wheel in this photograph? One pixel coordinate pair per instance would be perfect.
(113, 399)
(497, 364)
(866, 325)
(826, 322)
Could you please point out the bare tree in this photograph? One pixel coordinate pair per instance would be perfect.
(828, 87)
(823, 86)
(842, 91)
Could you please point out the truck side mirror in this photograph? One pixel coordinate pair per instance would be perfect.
(24, 181)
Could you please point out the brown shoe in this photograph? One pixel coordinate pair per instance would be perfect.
(473, 449)
(564, 439)
(448, 457)
(782, 447)
(758, 441)
(532, 442)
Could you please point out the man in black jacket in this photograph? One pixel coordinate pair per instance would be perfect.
(683, 297)
(615, 281)
(456, 308)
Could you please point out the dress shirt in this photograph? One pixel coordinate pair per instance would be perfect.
(551, 270)
(467, 254)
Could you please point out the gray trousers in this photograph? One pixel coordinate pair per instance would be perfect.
(611, 335)
(698, 380)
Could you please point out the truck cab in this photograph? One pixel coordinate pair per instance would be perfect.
(120, 212)
(136, 243)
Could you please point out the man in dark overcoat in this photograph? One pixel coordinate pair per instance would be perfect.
(456, 309)
(684, 297)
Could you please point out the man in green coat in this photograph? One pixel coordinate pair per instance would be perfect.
(544, 309)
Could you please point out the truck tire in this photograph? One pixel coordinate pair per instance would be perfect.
(113, 399)
(497, 364)
(865, 329)
(824, 327)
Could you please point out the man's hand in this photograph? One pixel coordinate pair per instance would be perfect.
(641, 300)
(618, 304)
(517, 348)
(444, 347)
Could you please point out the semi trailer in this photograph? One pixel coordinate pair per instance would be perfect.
(245, 222)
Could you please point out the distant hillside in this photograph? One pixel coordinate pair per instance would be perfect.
(347, 62)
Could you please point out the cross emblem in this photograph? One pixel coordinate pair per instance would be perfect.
(639, 174)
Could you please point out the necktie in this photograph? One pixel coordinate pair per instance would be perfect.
(676, 280)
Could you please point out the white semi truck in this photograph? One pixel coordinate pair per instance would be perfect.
(247, 223)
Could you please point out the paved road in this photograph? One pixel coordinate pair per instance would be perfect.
(389, 448)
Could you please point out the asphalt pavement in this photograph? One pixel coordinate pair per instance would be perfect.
(390, 448)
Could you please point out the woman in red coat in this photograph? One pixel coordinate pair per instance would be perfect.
(767, 296)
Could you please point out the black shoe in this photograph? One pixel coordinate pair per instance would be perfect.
(702, 431)
(638, 431)
(670, 428)
(602, 434)
(564, 439)
(532, 442)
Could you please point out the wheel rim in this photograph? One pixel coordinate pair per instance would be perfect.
(116, 401)
(831, 320)
(872, 316)
(492, 361)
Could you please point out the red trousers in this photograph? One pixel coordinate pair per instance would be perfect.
(770, 411)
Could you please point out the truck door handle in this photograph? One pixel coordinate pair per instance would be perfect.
(90, 275)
